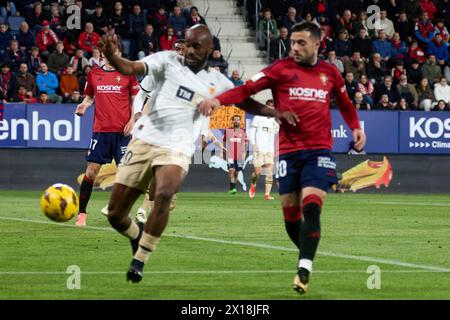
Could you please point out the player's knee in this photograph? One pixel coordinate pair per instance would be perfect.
(269, 179)
(164, 194)
(114, 218)
(311, 207)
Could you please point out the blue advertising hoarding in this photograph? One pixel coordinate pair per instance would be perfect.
(56, 126)
(45, 126)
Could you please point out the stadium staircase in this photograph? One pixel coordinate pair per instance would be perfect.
(237, 40)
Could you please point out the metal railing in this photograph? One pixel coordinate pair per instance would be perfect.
(206, 2)
(219, 29)
(229, 47)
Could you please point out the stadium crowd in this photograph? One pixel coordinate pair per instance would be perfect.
(400, 61)
(44, 60)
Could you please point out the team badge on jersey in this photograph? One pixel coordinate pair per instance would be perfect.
(118, 78)
(324, 79)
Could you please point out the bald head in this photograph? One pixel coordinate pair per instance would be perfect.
(201, 33)
(199, 45)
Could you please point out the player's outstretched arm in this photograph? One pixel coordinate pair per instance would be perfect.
(254, 107)
(86, 103)
(109, 47)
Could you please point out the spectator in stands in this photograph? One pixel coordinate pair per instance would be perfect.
(441, 106)
(360, 103)
(442, 90)
(79, 61)
(44, 98)
(403, 105)
(8, 82)
(217, 60)
(442, 29)
(68, 83)
(23, 96)
(425, 95)
(431, 70)
(414, 72)
(363, 44)
(384, 103)
(96, 60)
(424, 30)
(160, 22)
(343, 45)
(347, 22)
(383, 46)
(136, 22)
(194, 18)
(361, 23)
(326, 44)
(367, 90)
(236, 78)
(57, 22)
(385, 24)
(5, 38)
(333, 60)
(398, 71)
(439, 49)
(290, 19)
(178, 22)
(14, 56)
(444, 11)
(415, 52)
(83, 78)
(34, 61)
(58, 60)
(350, 84)
(46, 40)
(376, 69)
(355, 65)
(148, 43)
(399, 47)
(7, 9)
(408, 92)
(26, 79)
(37, 17)
(88, 39)
(75, 97)
(100, 20)
(388, 89)
(429, 7)
(48, 82)
(280, 47)
(404, 28)
(25, 37)
(267, 29)
(167, 40)
(70, 43)
(119, 20)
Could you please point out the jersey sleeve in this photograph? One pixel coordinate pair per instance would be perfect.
(89, 88)
(147, 84)
(346, 107)
(155, 63)
(260, 81)
(133, 86)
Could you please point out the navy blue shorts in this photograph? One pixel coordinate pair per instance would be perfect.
(306, 168)
(105, 146)
(236, 165)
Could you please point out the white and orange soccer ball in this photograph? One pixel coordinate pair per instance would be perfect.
(59, 202)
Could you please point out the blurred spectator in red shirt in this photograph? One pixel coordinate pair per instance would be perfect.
(167, 40)
(88, 39)
(46, 40)
(23, 96)
(160, 22)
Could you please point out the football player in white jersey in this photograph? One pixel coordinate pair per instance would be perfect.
(163, 139)
(262, 139)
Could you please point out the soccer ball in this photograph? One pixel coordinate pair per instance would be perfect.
(59, 202)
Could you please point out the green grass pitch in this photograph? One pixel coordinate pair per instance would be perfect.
(219, 246)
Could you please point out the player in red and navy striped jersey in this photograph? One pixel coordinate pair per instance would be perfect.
(113, 120)
(306, 169)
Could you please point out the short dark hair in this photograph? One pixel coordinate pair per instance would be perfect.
(270, 101)
(236, 116)
(307, 26)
